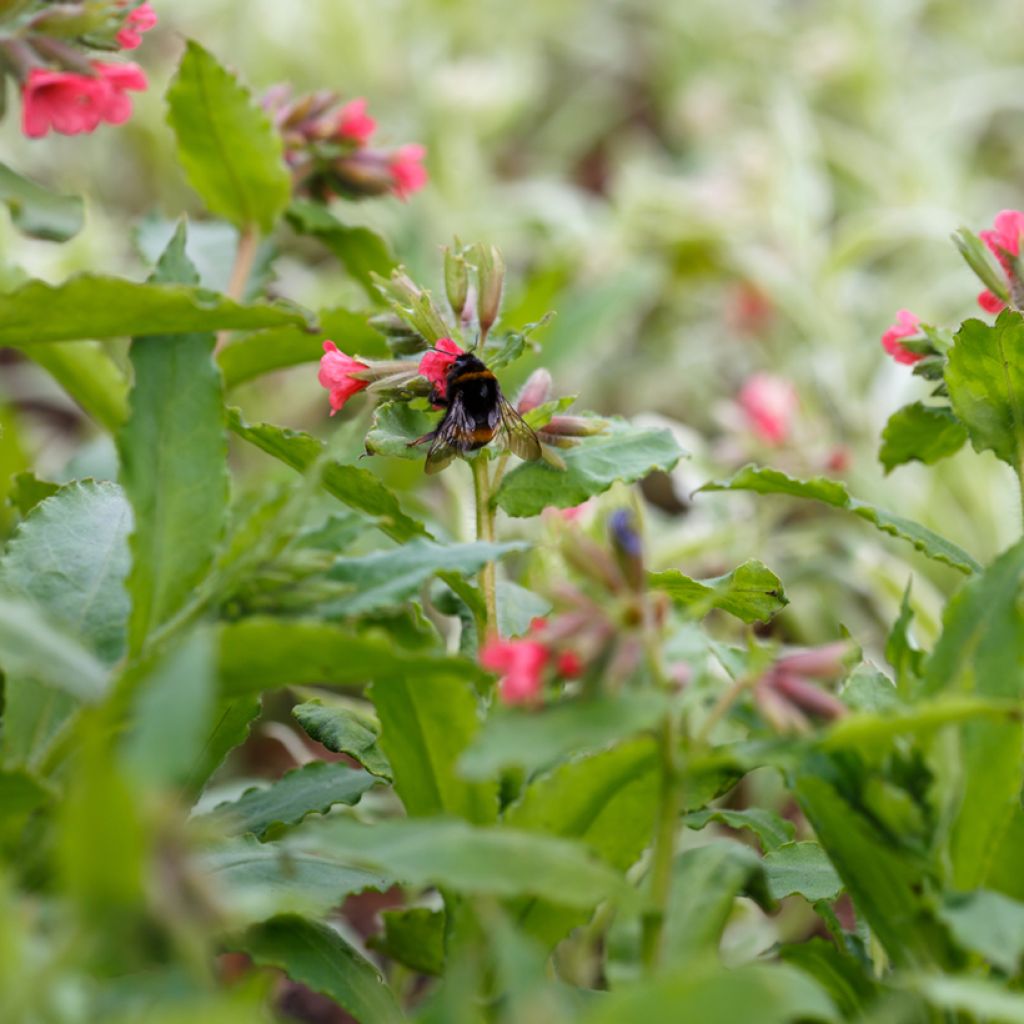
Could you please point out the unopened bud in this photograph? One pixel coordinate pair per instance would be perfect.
(826, 662)
(807, 697)
(491, 279)
(628, 547)
(778, 712)
(536, 391)
(575, 426)
(456, 280)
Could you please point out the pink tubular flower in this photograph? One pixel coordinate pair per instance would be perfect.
(521, 664)
(990, 302)
(71, 103)
(408, 174)
(140, 19)
(769, 403)
(435, 364)
(906, 326)
(336, 369)
(354, 123)
(1003, 242)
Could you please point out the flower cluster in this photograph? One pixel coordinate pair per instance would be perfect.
(1003, 241)
(328, 146)
(788, 696)
(62, 89)
(525, 663)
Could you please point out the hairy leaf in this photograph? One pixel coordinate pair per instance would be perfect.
(988, 923)
(751, 592)
(38, 212)
(86, 371)
(772, 830)
(927, 433)
(344, 730)
(802, 868)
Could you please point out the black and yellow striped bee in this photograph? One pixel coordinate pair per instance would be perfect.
(475, 414)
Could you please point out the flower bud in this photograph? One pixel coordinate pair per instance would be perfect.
(491, 279)
(827, 662)
(536, 391)
(574, 426)
(628, 547)
(804, 695)
(456, 280)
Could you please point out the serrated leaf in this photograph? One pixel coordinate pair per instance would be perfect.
(491, 860)
(315, 955)
(38, 212)
(361, 252)
(27, 491)
(426, 724)
(355, 487)
(987, 923)
(386, 578)
(926, 433)
(86, 371)
(771, 830)
(395, 426)
(312, 789)
(245, 358)
(625, 453)
(231, 153)
(762, 480)
(70, 556)
(414, 937)
(261, 652)
(802, 868)
(344, 730)
(173, 465)
(751, 592)
(95, 306)
(255, 880)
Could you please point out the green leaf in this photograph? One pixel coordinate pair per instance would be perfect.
(27, 491)
(493, 860)
(982, 998)
(772, 830)
(294, 875)
(355, 487)
(607, 801)
(360, 251)
(315, 955)
(981, 654)
(260, 653)
(70, 556)
(94, 306)
(987, 923)
(624, 453)
(245, 358)
(513, 738)
(395, 426)
(980, 259)
(414, 937)
(802, 868)
(985, 378)
(38, 212)
(927, 433)
(426, 723)
(231, 721)
(85, 370)
(312, 789)
(387, 578)
(765, 993)
(850, 986)
(173, 465)
(344, 730)
(33, 650)
(231, 153)
(751, 592)
(20, 793)
(831, 492)
(171, 714)
(517, 608)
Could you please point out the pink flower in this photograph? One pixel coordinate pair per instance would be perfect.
(990, 302)
(435, 364)
(769, 403)
(71, 103)
(569, 665)
(521, 664)
(1004, 239)
(140, 19)
(336, 369)
(906, 326)
(354, 123)
(408, 174)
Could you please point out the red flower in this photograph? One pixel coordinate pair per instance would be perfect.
(71, 103)
(408, 174)
(1004, 243)
(521, 664)
(354, 123)
(435, 364)
(569, 665)
(990, 302)
(769, 403)
(906, 326)
(140, 19)
(336, 369)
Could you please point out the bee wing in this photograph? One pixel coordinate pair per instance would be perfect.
(450, 438)
(516, 434)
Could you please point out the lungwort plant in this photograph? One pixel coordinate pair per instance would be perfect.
(519, 771)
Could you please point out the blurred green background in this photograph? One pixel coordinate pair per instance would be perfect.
(700, 190)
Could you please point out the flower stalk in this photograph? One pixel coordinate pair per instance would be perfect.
(485, 532)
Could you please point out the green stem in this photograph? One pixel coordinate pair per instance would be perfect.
(485, 532)
(1020, 484)
(245, 257)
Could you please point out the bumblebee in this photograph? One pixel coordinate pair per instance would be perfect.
(475, 413)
